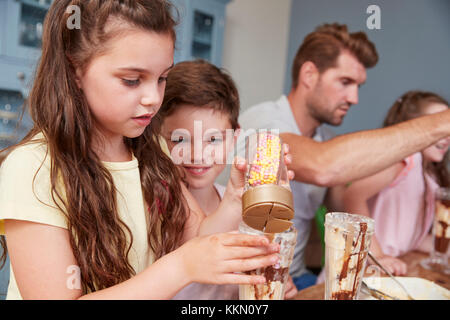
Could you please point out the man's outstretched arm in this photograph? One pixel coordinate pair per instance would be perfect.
(356, 155)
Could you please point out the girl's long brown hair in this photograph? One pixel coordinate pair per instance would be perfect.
(60, 111)
(412, 104)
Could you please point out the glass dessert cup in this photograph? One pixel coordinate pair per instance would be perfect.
(438, 259)
(276, 275)
(347, 243)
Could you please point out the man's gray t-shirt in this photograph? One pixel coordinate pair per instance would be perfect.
(307, 198)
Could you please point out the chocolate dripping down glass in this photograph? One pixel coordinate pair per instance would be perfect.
(438, 259)
(347, 242)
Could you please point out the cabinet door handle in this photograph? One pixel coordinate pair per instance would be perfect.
(21, 76)
(24, 90)
(7, 136)
(8, 115)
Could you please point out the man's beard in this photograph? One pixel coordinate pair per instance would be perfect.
(322, 115)
(318, 110)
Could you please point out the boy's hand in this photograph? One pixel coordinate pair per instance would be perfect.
(291, 290)
(288, 160)
(239, 167)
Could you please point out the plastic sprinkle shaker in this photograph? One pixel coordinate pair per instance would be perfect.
(267, 202)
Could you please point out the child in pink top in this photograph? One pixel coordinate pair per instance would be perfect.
(401, 197)
(401, 223)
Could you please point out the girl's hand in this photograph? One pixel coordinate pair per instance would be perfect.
(217, 258)
(291, 290)
(395, 266)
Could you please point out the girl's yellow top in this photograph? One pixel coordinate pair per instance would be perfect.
(23, 198)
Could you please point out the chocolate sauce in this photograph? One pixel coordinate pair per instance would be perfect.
(344, 269)
(361, 254)
(271, 274)
(346, 294)
(343, 295)
(441, 243)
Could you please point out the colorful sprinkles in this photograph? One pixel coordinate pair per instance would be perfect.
(264, 168)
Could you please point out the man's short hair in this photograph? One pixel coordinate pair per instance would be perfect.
(326, 43)
(201, 84)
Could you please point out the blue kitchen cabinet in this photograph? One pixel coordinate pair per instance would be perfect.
(11, 130)
(21, 24)
(20, 48)
(200, 31)
(24, 19)
(4, 278)
(19, 52)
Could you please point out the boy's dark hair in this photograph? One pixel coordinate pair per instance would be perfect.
(202, 84)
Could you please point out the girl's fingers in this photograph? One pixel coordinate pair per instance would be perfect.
(405, 269)
(394, 269)
(238, 252)
(400, 268)
(230, 239)
(398, 271)
(390, 269)
(242, 265)
(241, 278)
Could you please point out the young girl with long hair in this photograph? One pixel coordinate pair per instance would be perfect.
(91, 206)
(401, 197)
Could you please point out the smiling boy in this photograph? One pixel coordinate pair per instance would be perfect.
(199, 121)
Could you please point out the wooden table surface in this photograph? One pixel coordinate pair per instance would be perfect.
(412, 259)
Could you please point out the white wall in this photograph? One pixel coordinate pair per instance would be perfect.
(255, 47)
(255, 51)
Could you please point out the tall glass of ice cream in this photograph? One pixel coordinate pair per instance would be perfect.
(347, 243)
(276, 275)
(267, 209)
(438, 259)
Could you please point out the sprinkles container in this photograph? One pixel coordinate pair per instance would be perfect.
(267, 201)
